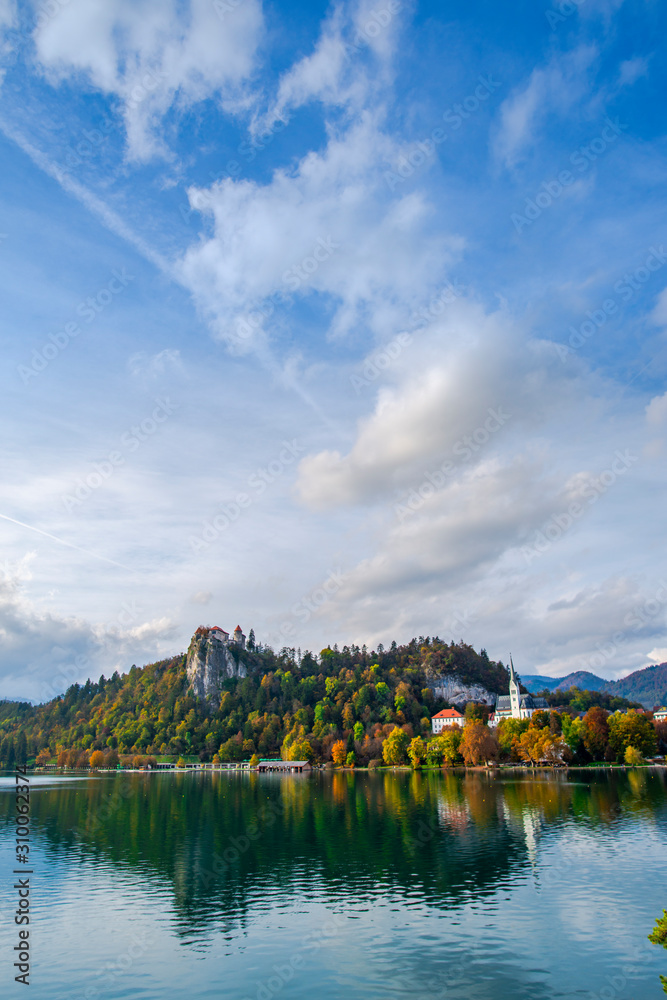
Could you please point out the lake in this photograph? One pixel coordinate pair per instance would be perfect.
(426, 885)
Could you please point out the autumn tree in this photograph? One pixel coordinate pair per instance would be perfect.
(632, 757)
(478, 744)
(631, 729)
(395, 746)
(451, 746)
(97, 759)
(538, 745)
(417, 751)
(596, 732)
(339, 752)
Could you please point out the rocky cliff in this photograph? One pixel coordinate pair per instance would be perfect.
(209, 663)
(456, 692)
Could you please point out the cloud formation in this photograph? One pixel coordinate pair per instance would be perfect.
(151, 55)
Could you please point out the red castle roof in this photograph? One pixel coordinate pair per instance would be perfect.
(448, 713)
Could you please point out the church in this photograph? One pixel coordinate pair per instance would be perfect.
(516, 705)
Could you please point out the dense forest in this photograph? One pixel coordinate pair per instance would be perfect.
(286, 696)
(350, 705)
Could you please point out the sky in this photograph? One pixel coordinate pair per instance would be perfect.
(344, 322)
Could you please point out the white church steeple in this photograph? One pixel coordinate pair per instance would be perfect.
(515, 698)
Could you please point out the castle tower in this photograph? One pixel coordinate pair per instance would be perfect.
(239, 637)
(515, 697)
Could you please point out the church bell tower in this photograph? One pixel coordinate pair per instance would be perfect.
(515, 698)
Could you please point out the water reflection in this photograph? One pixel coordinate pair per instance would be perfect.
(222, 838)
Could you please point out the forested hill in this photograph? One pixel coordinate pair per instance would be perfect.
(350, 692)
(647, 686)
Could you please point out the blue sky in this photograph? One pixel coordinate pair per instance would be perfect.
(344, 322)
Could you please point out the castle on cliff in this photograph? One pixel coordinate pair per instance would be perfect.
(215, 632)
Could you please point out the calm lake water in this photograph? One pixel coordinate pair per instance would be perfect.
(333, 886)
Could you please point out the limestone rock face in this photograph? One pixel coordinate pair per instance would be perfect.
(209, 663)
(453, 690)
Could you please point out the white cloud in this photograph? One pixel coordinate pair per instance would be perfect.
(632, 70)
(148, 367)
(554, 89)
(656, 656)
(656, 411)
(659, 313)
(151, 55)
(330, 226)
(44, 652)
(202, 597)
(336, 73)
(463, 383)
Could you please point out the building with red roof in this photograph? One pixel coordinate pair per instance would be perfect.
(446, 719)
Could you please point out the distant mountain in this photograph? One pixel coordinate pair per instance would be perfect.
(580, 678)
(648, 686)
(539, 682)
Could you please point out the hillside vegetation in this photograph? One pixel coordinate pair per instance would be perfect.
(351, 694)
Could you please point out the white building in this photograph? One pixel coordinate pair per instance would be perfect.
(446, 719)
(516, 705)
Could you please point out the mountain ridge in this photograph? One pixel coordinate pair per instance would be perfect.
(647, 685)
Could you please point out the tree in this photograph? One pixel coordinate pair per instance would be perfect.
(43, 757)
(254, 760)
(417, 751)
(537, 745)
(596, 732)
(659, 936)
(21, 749)
(507, 734)
(631, 729)
(633, 758)
(301, 750)
(435, 751)
(350, 760)
(97, 759)
(180, 762)
(478, 744)
(339, 752)
(451, 746)
(395, 746)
